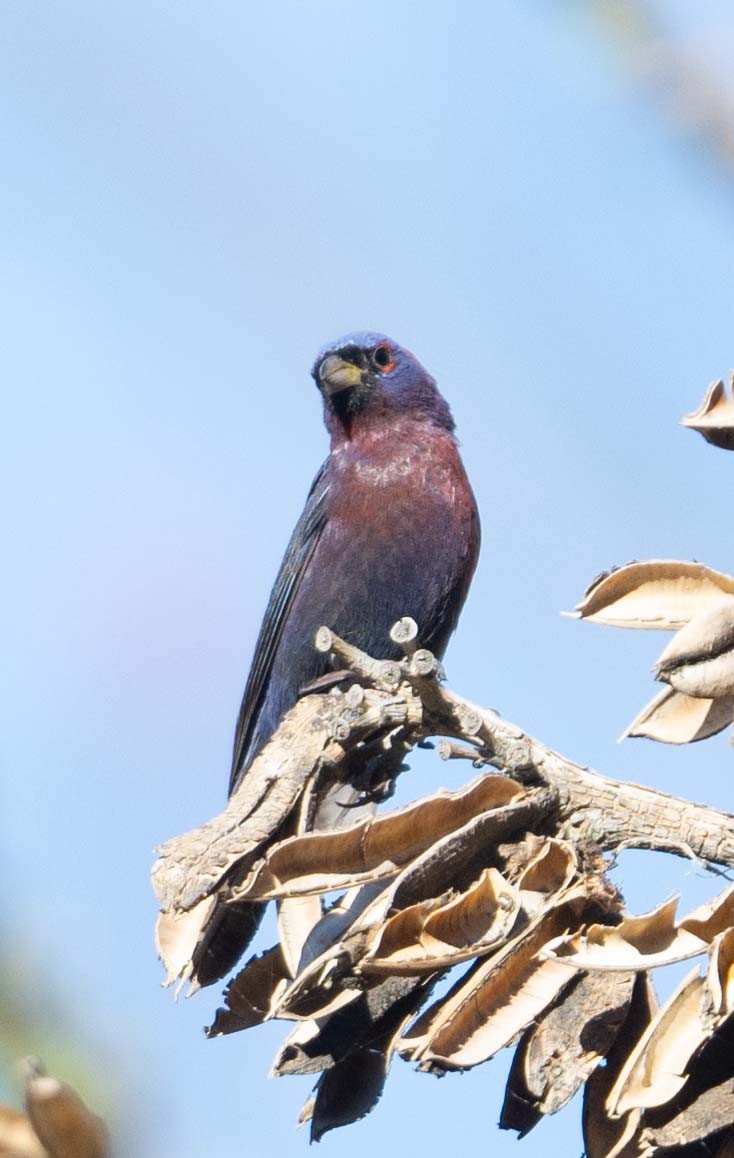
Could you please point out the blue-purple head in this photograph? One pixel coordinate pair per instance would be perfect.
(369, 376)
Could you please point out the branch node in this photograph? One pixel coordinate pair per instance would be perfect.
(423, 663)
(340, 729)
(354, 696)
(405, 633)
(471, 721)
(324, 640)
(388, 675)
(450, 750)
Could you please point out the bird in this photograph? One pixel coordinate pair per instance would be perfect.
(390, 529)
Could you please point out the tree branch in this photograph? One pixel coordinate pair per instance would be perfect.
(506, 874)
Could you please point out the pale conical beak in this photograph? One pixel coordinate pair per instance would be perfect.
(336, 374)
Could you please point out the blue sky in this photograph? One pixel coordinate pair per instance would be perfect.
(195, 198)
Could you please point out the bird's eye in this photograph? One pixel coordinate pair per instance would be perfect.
(382, 357)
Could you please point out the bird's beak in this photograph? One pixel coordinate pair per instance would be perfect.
(336, 374)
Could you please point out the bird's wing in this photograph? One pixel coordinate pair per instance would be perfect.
(295, 562)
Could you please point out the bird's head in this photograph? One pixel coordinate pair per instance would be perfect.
(365, 378)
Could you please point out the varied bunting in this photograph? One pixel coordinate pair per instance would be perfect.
(390, 528)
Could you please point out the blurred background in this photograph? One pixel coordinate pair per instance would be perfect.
(536, 197)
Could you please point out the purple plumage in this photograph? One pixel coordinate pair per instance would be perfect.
(390, 528)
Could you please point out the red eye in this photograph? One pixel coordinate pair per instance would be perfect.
(382, 357)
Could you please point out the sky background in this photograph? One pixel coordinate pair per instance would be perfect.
(194, 198)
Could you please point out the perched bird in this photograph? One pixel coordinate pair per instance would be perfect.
(390, 528)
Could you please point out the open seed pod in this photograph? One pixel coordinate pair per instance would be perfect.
(658, 595)
(698, 663)
(699, 660)
(714, 418)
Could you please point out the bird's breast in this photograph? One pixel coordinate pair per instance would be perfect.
(401, 470)
(401, 538)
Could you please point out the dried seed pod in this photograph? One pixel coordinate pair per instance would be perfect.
(714, 418)
(60, 1118)
(673, 718)
(699, 660)
(661, 594)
